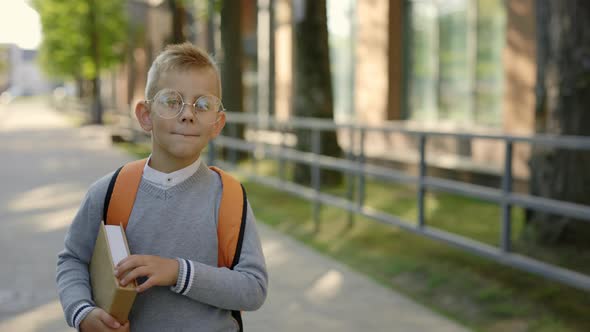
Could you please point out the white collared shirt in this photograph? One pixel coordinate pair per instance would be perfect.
(169, 180)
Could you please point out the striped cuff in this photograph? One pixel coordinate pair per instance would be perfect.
(80, 313)
(186, 272)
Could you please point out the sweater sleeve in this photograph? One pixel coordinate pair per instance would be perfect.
(243, 288)
(72, 276)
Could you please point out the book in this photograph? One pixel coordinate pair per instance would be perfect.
(111, 247)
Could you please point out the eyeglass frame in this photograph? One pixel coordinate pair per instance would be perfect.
(194, 105)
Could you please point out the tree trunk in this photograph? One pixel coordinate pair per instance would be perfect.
(231, 66)
(562, 99)
(96, 109)
(80, 87)
(313, 86)
(178, 21)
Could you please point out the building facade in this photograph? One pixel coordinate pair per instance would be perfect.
(453, 65)
(20, 75)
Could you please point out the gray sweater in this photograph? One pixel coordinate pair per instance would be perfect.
(179, 222)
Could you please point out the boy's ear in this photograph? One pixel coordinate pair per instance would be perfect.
(218, 126)
(142, 113)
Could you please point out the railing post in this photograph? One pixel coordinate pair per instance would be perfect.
(282, 129)
(361, 163)
(422, 174)
(351, 174)
(211, 153)
(233, 156)
(316, 148)
(507, 207)
(256, 148)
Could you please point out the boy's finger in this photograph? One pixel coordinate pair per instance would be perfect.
(134, 274)
(108, 320)
(131, 259)
(146, 285)
(125, 266)
(124, 327)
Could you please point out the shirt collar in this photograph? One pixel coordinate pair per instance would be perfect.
(169, 180)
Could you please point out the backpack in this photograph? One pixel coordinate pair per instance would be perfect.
(231, 222)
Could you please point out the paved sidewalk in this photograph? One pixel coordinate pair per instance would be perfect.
(47, 167)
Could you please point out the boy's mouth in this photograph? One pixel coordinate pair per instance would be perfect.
(185, 135)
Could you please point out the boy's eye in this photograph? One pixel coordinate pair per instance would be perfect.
(203, 104)
(170, 101)
(207, 103)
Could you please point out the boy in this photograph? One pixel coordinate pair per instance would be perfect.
(172, 232)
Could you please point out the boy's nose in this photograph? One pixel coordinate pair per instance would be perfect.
(187, 114)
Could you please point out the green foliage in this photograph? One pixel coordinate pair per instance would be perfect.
(217, 4)
(3, 59)
(202, 8)
(66, 49)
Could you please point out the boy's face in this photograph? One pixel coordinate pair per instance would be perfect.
(182, 138)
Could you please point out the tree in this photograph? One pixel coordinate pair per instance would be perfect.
(563, 96)
(4, 65)
(232, 62)
(179, 20)
(313, 86)
(231, 66)
(81, 38)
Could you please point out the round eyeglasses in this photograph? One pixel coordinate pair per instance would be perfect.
(168, 104)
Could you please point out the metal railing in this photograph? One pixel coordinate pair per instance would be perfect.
(355, 166)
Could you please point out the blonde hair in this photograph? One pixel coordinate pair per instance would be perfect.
(178, 57)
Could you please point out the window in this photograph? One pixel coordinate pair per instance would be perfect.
(341, 37)
(455, 60)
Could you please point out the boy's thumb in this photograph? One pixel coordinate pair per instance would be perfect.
(109, 321)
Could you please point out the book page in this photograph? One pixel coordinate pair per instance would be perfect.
(116, 242)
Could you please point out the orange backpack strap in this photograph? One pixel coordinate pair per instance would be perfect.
(231, 221)
(231, 224)
(121, 193)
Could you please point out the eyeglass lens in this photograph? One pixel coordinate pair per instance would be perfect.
(169, 104)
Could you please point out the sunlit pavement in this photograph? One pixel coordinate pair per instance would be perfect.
(46, 168)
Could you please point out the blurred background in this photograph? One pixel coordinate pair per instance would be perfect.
(439, 147)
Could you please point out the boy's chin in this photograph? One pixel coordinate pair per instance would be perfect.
(186, 155)
(179, 151)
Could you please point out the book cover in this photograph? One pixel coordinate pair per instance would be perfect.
(110, 248)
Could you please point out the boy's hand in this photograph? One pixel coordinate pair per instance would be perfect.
(99, 320)
(160, 271)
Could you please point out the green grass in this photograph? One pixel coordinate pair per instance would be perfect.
(479, 293)
(484, 295)
(138, 150)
